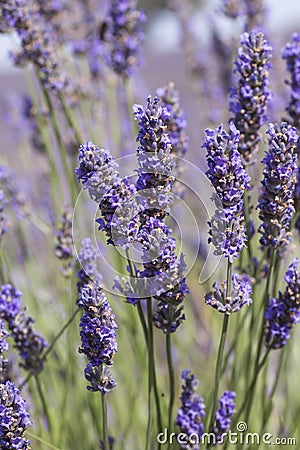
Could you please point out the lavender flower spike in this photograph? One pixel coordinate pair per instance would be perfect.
(192, 410)
(284, 312)
(64, 248)
(230, 181)
(28, 342)
(88, 258)
(123, 37)
(98, 337)
(249, 100)
(224, 415)
(98, 173)
(14, 418)
(291, 53)
(276, 200)
(240, 295)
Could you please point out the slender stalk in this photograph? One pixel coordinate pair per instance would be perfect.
(70, 119)
(42, 441)
(171, 381)
(104, 423)
(219, 363)
(150, 373)
(43, 401)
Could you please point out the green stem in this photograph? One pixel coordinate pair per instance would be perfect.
(171, 381)
(42, 441)
(104, 423)
(150, 373)
(43, 401)
(219, 363)
(70, 119)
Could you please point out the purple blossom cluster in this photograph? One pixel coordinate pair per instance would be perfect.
(98, 173)
(88, 258)
(37, 42)
(123, 36)
(249, 100)
(176, 124)
(283, 313)
(240, 295)
(192, 410)
(291, 53)
(64, 248)
(276, 200)
(14, 418)
(29, 343)
(230, 181)
(98, 336)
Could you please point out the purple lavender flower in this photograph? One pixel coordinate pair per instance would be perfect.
(224, 415)
(276, 200)
(64, 248)
(283, 313)
(29, 343)
(13, 196)
(37, 42)
(98, 173)
(29, 116)
(123, 36)
(176, 124)
(192, 410)
(88, 258)
(249, 100)
(230, 181)
(98, 336)
(233, 8)
(3, 348)
(291, 53)
(240, 295)
(14, 418)
(155, 162)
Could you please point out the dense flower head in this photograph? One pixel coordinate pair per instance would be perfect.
(88, 258)
(14, 418)
(10, 302)
(224, 415)
(240, 295)
(97, 171)
(276, 200)
(291, 53)
(176, 123)
(100, 378)
(249, 100)
(192, 410)
(156, 165)
(230, 181)
(167, 317)
(29, 343)
(123, 37)
(37, 42)
(283, 313)
(98, 336)
(64, 248)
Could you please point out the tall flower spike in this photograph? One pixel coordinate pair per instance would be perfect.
(64, 248)
(97, 171)
(230, 181)
(156, 165)
(276, 200)
(123, 37)
(249, 100)
(88, 258)
(240, 295)
(176, 124)
(98, 337)
(284, 312)
(14, 418)
(192, 410)
(37, 42)
(29, 343)
(224, 415)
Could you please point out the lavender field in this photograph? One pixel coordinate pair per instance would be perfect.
(150, 223)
